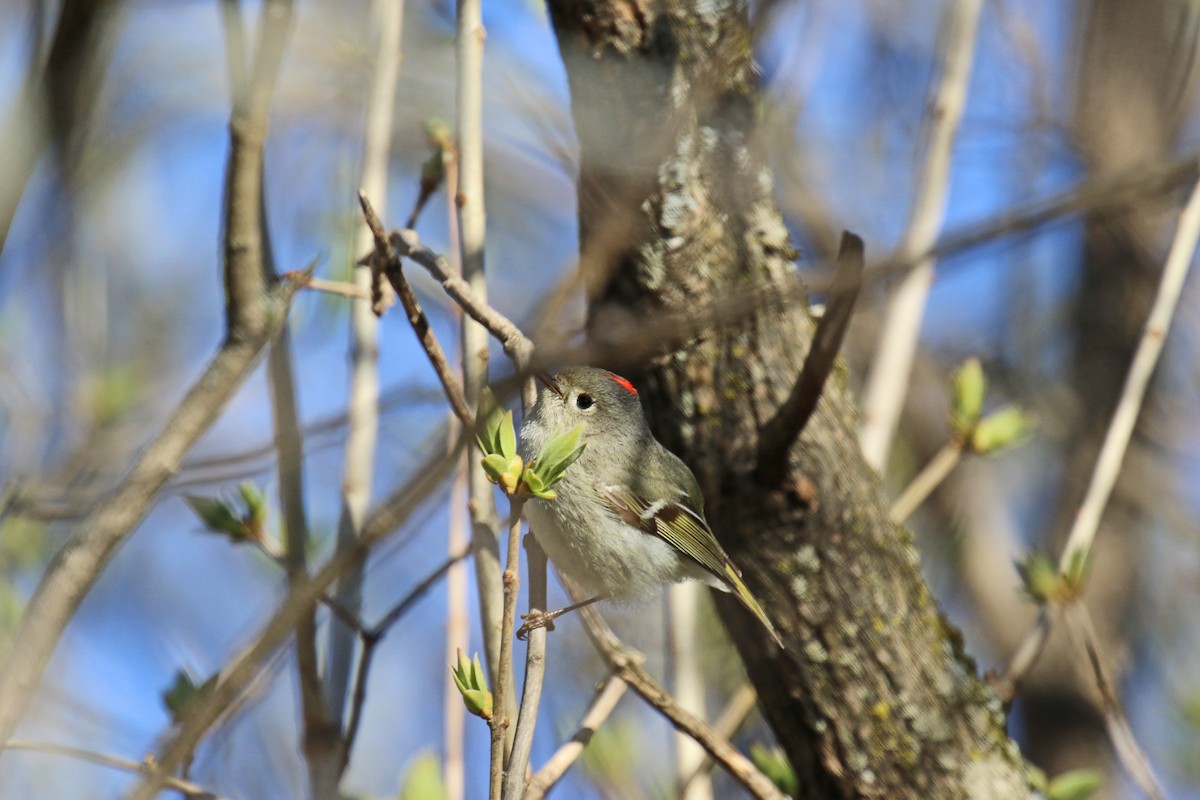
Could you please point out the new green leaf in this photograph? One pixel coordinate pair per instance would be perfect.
(216, 516)
(559, 453)
(1078, 784)
(968, 387)
(472, 685)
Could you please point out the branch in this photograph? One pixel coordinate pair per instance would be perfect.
(516, 344)
(371, 638)
(1116, 440)
(535, 672)
(1132, 757)
(243, 668)
(454, 712)
(335, 287)
(320, 749)
(74, 570)
(607, 696)
(186, 788)
(363, 397)
(888, 380)
(416, 315)
(785, 427)
(627, 665)
(928, 479)
(499, 722)
(245, 273)
(735, 714)
(401, 608)
(1024, 657)
(687, 679)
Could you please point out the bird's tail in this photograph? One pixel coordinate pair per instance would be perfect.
(747, 599)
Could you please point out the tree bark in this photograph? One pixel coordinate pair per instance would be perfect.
(874, 696)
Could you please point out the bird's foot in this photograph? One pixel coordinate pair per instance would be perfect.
(537, 619)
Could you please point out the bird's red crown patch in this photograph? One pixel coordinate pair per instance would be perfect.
(626, 385)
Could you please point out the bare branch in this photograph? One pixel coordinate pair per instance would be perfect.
(627, 664)
(888, 380)
(245, 269)
(334, 287)
(1116, 440)
(416, 316)
(320, 749)
(928, 479)
(380, 629)
(516, 344)
(363, 401)
(687, 682)
(241, 671)
(186, 788)
(512, 581)
(454, 713)
(785, 427)
(535, 671)
(374, 636)
(732, 718)
(1079, 622)
(1023, 659)
(607, 696)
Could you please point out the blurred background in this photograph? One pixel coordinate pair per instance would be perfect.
(113, 142)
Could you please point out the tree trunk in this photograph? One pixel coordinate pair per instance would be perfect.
(874, 696)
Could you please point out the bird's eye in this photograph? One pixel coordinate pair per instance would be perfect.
(584, 402)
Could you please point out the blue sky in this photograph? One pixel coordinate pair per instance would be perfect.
(174, 598)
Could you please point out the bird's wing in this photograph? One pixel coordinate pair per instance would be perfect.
(674, 520)
(684, 528)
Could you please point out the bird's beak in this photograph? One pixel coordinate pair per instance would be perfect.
(548, 380)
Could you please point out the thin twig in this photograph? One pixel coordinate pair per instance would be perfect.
(788, 423)
(276, 554)
(372, 637)
(454, 713)
(1116, 440)
(469, 199)
(1024, 657)
(535, 671)
(321, 751)
(362, 405)
(627, 664)
(243, 668)
(512, 581)
(687, 680)
(1079, 623)
(516, 344)
(928, 479)
(416, 316)
(1120, 429)
(891, 371)
(607, 696)
(336, 287)
(730, 721)
(187, 788)
(401, 608)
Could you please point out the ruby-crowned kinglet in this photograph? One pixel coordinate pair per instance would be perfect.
(628, 516)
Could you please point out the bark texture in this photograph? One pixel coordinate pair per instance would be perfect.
(874, 696)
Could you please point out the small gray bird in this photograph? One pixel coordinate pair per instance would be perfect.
(628, 516)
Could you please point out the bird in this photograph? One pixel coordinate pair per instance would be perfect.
(628, 515)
